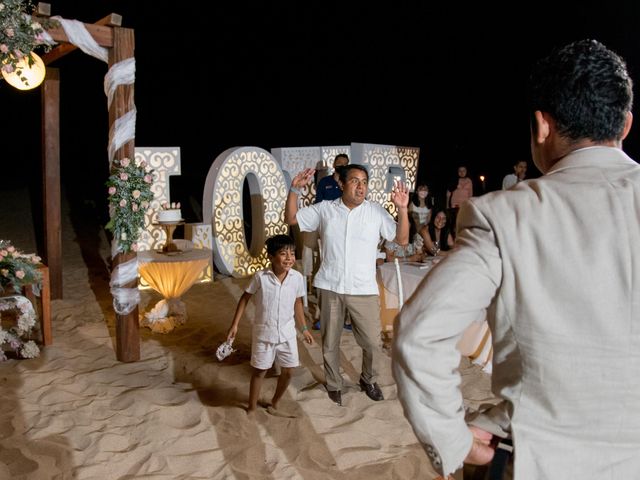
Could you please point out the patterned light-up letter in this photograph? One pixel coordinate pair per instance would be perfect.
(222, 206)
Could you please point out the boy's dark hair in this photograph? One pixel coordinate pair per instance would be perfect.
(278, 242)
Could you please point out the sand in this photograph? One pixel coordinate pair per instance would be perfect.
(178, 413)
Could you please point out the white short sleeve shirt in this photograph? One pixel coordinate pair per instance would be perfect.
(349, 244)
(274, 301)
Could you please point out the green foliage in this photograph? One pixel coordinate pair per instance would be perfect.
(20, 35)
(17, 268)
(130, 195)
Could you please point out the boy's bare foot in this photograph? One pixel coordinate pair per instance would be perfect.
(251, 413)
(279, 413)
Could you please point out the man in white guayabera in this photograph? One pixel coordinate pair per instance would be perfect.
(350, 228)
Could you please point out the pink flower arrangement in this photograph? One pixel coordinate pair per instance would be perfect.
(16, 268)
(130, 195)
(20, 34)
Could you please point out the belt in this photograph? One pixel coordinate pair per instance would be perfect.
(504, 450)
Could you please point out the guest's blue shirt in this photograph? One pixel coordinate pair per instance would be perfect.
(327, 189)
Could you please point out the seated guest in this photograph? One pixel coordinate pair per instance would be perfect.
(420, 206)
(412, 252)
(437, 234)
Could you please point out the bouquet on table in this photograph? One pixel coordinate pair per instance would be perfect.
(18, 269)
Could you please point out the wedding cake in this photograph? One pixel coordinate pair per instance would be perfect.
(170, 212)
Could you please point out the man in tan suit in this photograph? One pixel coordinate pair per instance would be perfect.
(555, 263)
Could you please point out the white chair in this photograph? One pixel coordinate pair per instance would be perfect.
(399, 280)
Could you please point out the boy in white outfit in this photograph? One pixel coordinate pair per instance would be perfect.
(278, 298)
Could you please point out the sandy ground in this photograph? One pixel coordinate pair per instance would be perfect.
(77, 413)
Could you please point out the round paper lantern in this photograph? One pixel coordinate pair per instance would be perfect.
(30, 76)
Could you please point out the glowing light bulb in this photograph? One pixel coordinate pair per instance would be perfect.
(29, 76)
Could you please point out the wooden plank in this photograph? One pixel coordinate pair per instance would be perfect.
(127, 326)
(58, 52)
(42, 305)
(45, 295)
(113, 20)
(102, 34)
(51, 179)
(43, 9)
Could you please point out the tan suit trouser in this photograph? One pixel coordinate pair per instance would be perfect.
(365, 322)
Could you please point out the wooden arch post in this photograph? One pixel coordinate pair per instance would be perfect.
(120, 44)
(127, 327)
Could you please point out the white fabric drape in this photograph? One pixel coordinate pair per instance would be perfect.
(122, 131)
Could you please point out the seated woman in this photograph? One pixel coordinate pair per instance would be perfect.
(405, 253)
(436, 234)
(420, 206)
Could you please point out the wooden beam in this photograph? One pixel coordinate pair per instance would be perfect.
(51, 179)
(102, 34)
(58, 52)
(127, 326)
(43, 9)
(111, 20)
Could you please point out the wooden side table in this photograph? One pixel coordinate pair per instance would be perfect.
(42, 304)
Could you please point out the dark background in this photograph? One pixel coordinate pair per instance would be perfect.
(448, 78)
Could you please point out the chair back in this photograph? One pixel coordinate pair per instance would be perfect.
(399, 279)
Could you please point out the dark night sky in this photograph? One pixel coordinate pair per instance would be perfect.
(319, 74)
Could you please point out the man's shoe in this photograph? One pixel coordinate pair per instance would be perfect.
(335, 396)
(347, 326)
(372, 390)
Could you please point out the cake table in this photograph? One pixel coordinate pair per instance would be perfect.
(171, 274)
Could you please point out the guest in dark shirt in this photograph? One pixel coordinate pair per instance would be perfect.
(328, 188)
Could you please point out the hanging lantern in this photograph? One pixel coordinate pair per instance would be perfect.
(25, 76)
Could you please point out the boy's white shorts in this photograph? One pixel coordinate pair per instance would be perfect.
(263, 354)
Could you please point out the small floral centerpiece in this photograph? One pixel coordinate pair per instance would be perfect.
(20, 35)
(17, 269)
(130, 196)
(16, 337)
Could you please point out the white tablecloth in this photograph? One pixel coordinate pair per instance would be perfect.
(412, 274)
(170, 274)
(476, 340)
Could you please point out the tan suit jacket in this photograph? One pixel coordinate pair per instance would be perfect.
(555, 262)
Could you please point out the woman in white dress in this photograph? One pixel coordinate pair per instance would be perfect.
(420, 206)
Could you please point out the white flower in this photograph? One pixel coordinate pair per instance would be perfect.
(25, 321)
(29, 350)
